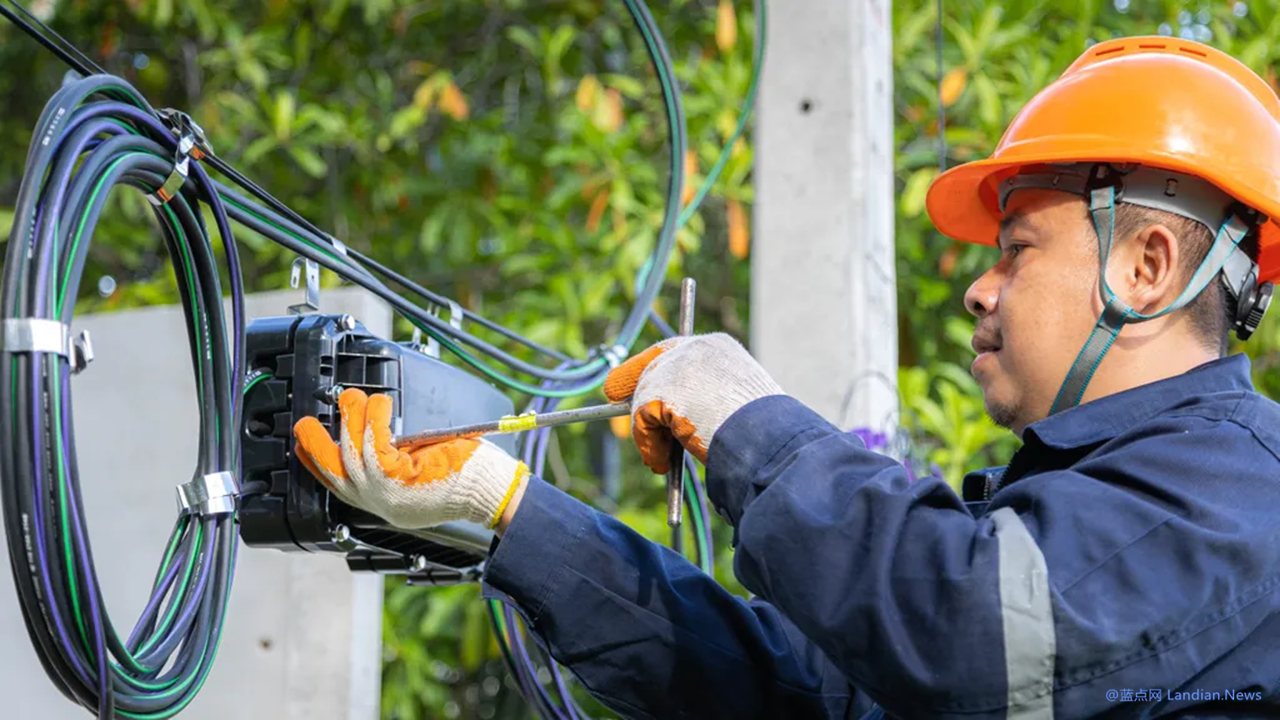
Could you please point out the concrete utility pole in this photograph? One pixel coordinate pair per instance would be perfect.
(303, 635)
(823, 302)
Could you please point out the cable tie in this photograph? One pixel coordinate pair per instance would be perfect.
(213, 494)
(36, 335)
(339, 246)
(181, 167)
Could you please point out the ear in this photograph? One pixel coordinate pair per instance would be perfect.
(1147, 269)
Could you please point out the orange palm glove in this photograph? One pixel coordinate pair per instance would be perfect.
(466, 479)
(686, 387)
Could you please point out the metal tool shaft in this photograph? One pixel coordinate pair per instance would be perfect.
(515, 423)
(675, 475)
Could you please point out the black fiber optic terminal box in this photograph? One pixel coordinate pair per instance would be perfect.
(298, 365)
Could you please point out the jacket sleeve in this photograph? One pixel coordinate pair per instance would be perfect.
(646, 631)
(1113, 574)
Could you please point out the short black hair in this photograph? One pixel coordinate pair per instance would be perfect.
(1213, 311)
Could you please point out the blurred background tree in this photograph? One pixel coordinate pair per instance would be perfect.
(511, 154)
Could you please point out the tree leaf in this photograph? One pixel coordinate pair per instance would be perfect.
(453, 103)
(254, 72)
(522, 37)
(588, 90)
(739, 230)
(282, 117)
(405, 121)
(989, 105)
(953, 84)
(310, 162)
(258, 148)
(913, 195)
(559, 42)
(726, 26)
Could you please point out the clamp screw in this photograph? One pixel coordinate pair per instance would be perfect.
(417, 563)
(341, 534)
(346, 322)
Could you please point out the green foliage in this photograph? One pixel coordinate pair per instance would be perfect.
(512, 155)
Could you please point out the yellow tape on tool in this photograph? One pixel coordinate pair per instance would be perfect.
(517, 423)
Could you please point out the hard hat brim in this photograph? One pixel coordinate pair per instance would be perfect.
(963, 203)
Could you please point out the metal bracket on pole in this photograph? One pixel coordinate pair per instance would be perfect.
(311, 295)
(455, 319)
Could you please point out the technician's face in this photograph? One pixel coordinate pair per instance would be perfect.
(1035, 306)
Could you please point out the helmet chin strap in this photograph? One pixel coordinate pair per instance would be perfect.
(1116, 313)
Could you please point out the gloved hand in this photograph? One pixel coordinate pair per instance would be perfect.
(686, 387)
(466, 479)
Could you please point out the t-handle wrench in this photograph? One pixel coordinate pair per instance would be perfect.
(675, 475)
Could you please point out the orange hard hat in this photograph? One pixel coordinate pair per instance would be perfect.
(1159, 102)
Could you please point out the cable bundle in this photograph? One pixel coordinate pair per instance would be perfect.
(82, 149)
(96, 133)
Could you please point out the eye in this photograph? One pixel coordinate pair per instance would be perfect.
(1012, 250)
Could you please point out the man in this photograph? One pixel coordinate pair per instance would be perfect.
(1126, 561)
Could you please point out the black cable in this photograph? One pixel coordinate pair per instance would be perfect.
(90, 66)
(411, 286)
(942, 106)
(63, 55)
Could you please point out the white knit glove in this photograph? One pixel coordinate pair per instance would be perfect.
(467, 479)
(686, 387)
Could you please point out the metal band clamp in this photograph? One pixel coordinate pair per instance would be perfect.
(181, 125)
(35, 335)
(181, 168)
(213, 494)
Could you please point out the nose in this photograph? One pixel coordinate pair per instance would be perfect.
(983, 295)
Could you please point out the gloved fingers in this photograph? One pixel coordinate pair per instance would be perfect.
(428, 463)
(621, 381)
(352, 409)
(321, 457)
(652, 436)
(433, 463)
(685, 433)
(656, 425)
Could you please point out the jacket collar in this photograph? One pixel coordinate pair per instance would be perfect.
(1107, 417)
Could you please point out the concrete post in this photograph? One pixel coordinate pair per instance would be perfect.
(823, 303)
(303, 636)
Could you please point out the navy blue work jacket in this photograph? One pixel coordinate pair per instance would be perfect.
(1124, 564)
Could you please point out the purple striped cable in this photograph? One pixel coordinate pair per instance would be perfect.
(153, 605)
(59, 185)
(40, 494)
(237, 287)
(525, 662)
(64, 637)
(96, 613)
(176, 633)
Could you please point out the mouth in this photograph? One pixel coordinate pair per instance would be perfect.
(983, 345)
